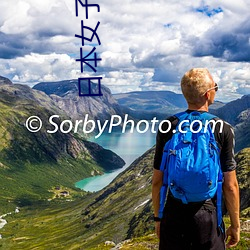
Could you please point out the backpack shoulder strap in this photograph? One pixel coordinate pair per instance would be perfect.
(182, 115)
(208, 116)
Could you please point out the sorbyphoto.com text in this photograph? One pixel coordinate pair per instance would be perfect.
(88, 126)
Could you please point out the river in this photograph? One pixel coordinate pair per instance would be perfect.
(129, 146)
(3, 222)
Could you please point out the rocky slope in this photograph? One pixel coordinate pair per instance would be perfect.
(243, 175)
(237, 114)
(242, 130)
(4, 80)
(232, 110)
(122, 204)
(31, 163)
(65, 95)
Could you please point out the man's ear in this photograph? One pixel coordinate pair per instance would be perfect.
(207, 95)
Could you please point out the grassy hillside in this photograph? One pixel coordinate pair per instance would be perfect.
(54, 225)
(86, 222)
(121, 211)
(32, 163)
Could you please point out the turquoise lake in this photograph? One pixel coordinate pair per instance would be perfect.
(129, 146)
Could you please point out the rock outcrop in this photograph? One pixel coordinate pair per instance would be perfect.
(65, 95)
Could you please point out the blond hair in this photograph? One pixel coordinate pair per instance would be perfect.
(195, 83)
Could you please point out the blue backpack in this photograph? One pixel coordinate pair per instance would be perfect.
(191, 162)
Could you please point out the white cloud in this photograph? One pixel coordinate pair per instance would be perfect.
(34, 16)
(34, 68)
(146, 45)
(131, 81)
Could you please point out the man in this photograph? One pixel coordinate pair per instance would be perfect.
(194, 225)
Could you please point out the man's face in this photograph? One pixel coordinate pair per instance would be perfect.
(211, 93)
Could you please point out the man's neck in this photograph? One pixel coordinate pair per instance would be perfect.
(198, 107)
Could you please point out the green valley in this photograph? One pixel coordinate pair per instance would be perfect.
(120, 213)
(32, 163)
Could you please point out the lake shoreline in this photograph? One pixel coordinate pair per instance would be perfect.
(129, 146)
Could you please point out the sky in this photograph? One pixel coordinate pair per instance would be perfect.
(145, 44)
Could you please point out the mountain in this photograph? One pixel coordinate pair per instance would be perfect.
(138, 105)
(151, 100)
(65, 95)
(232, 110)
(32, 163)
(4, 80)
(124, 208)
(237, 114)
(216, 105)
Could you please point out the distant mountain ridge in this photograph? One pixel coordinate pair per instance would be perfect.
(165, 103)
(151, 100)
(149, 104)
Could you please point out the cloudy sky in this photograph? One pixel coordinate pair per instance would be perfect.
(145, 44)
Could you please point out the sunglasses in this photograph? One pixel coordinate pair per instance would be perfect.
(216, 87)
